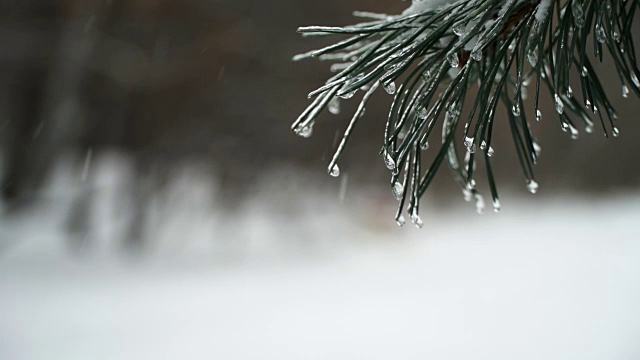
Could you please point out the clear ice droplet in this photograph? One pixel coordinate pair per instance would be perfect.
(398, 190)
(334, 106)
(416, 220)
(515, 110)
(400, 221)
(453, 60)
(334, 171)
(601, 36)
(389, 162)
(532, 186)
(538, 115)
(625, 91)
(390, 88)
(559, 104)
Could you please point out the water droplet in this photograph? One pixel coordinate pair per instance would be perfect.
(615, 131)
(426, 76)
(459, 29)
(515, 110)
(389, 162)
(480, 206)
(334, 106)
(601, 36)
(537, 148)
(496, 205)
(398, 190)
(401, 221)
(476, 54)
(538, 115)
(471, 184)
(423, 113)
(490, 152)
(625, 91)
(468, 195)
(574, 132)
(578, 13)
(559, 104)
(416, 220)
(453, 60)
(390, 88)
(532, 186)
(532, 56)
(468, 141)
(483, 145)
(634, 79)
(334, 171)
(584, 72)
(348, 95)
(305, 131)
(615, 36)
(595, 109)
(569, 92)
(424, 146)
(588, 129)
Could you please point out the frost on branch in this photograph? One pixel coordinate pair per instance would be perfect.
(428, 58)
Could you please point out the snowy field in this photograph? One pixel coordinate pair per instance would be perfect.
(297, 274)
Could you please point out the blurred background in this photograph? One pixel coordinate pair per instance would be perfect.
(156, 205)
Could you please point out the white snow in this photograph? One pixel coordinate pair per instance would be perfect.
(297, 274)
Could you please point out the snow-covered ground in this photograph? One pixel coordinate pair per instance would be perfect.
(296, 274)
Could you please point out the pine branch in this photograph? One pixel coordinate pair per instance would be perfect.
(436, 54)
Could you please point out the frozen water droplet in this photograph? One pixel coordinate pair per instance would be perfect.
(496, 205)
(305, 131)
(426, 76)
(476, 54)
(390, 88)
(397, 190)
(595, 109)
(416, 220)
(537, 148)
(601, 36)
(538, 115)
(532, 186)
(532, 56)
(584, 72)
(615, 131)
(334, 106)
(424, 146)
(401, 221)
(466, 193)
(569, 92)
(348, 95)
(334, 171)
(468, 141)
(574, 132)
(490, 152)
(480, 206)
(564, 126)
(559, 104)
(389, 162)
(483, 145)
(422, 113)
(615, 36)
(588, 129)
(587, 103)
(625, 91)
(515, 110)
(459, 29)
(453, 60)
(471, 184)
(634, 79)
